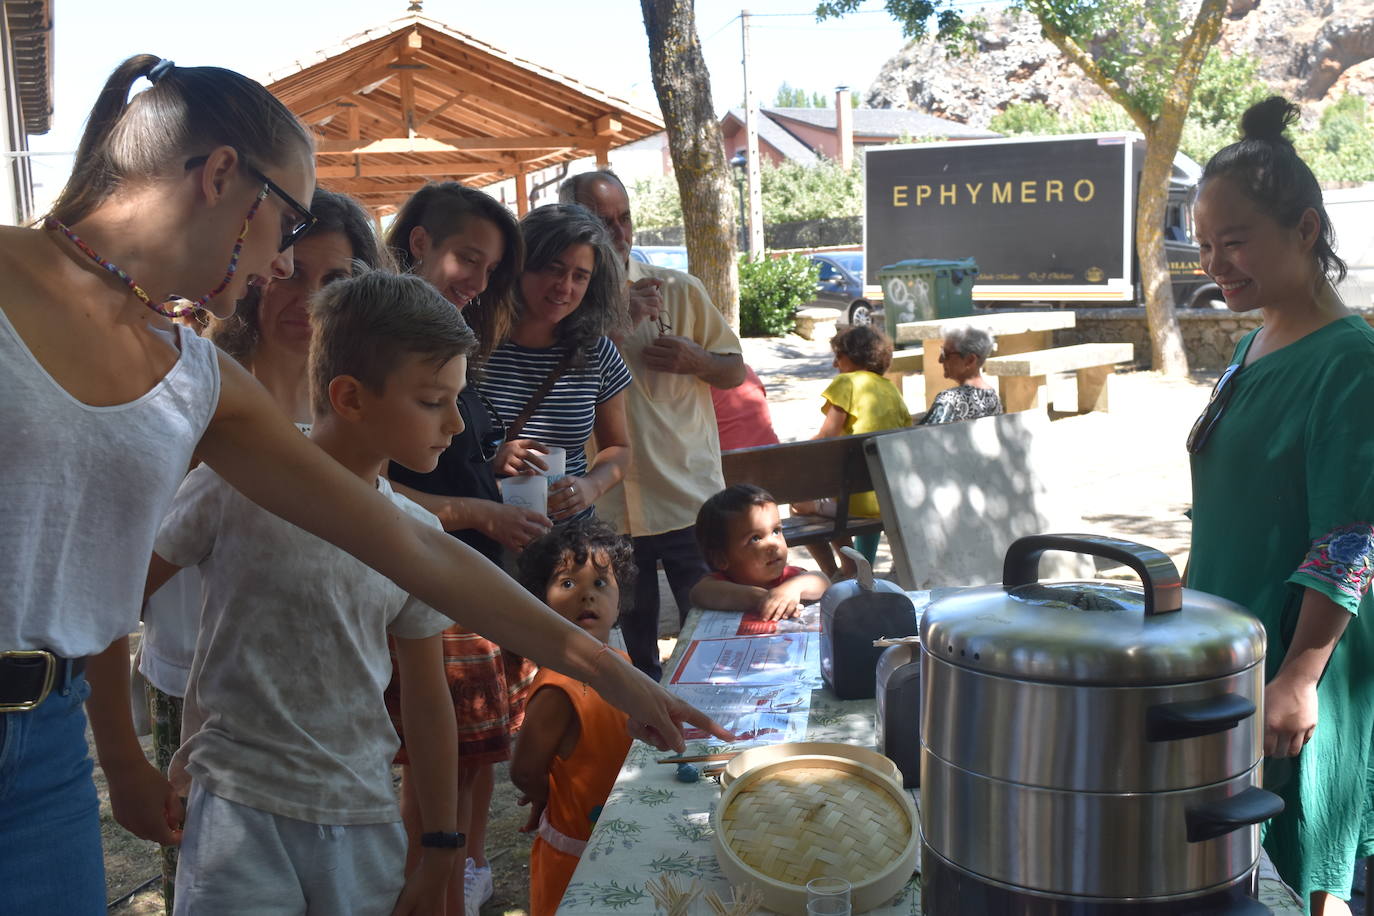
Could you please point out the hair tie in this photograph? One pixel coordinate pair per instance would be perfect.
(160, 69)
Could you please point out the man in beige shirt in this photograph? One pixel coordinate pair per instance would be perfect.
(679, 348)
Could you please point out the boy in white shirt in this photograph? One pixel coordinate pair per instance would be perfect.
(289, 744)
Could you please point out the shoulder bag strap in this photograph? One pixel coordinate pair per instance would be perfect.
(518, 424)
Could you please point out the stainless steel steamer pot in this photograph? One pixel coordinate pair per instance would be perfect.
(1091, 745)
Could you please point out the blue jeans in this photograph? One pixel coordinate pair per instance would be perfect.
(50, 854)
(684, 567)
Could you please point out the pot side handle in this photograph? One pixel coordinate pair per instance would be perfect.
(1159, 575)
(1253, 806)
(1195, 718)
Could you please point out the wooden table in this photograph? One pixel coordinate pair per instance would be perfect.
(653, 825)
(1013, 332)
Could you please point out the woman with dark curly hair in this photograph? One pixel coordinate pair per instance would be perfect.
(573, 742)
(1283, 512)
(558, 378)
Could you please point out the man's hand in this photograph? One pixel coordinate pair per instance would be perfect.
(645, 300)
(678, 355)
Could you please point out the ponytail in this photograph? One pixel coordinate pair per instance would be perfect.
(187, 111)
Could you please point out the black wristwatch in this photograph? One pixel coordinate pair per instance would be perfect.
(441, 840)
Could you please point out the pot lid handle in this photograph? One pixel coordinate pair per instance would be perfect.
(1159, 575)
(863, 569)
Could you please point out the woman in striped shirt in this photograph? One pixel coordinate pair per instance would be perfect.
(568, 299)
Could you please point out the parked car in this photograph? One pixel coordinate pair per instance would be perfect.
(673, 257)
(841, 286)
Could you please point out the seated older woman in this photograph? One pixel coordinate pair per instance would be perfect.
(962, 356)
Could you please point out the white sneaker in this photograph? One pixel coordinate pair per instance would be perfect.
(477, 886)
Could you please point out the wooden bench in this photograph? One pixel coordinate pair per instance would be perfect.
(1022, 376)
(814, 469)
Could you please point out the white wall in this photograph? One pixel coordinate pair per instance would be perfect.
(1352, 217)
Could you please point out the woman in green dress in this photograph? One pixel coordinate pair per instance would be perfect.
(1283, 491)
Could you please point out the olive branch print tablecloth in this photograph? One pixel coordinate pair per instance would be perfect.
(654, 825)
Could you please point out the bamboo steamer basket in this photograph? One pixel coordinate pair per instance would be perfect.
(767, 753)
(783, 823)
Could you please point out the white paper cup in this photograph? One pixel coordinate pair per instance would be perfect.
(557, 460)
(529, 492)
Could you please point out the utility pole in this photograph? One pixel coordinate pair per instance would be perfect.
(751, 132)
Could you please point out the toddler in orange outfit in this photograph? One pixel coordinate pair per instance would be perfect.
(573, 742)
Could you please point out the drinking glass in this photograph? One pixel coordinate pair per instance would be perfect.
(827, 896)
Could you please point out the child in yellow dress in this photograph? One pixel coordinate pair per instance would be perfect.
(858, 400)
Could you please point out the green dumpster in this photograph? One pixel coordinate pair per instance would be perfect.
(924, 288)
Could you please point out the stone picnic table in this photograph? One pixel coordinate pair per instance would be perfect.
(654, 825)
(1013, 332)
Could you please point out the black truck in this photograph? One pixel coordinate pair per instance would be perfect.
(1048, 219)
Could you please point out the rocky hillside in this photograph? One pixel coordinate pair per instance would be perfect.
(1313, 51)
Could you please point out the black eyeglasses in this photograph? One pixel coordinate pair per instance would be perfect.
(1211, 414)
(302, 219)
(496, 436)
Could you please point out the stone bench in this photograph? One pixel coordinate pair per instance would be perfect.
(1022, 376)
(904, 363)
(815, 323)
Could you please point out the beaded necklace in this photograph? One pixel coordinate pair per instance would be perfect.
(192, 308)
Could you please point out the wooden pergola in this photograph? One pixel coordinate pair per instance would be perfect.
(415, 100)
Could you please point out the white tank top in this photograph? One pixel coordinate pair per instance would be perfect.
(84, 490)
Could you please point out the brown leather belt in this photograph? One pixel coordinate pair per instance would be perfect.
(27, 676)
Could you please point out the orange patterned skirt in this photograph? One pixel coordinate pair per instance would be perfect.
(489, 687)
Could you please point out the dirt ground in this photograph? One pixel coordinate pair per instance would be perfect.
(1136, 486)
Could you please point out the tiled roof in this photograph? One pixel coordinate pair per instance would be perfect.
(884, 122)
(772, 133)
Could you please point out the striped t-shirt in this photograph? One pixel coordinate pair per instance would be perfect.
(567, 415)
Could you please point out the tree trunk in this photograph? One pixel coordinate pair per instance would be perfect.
(1166, 342)
(1161, 144)
(683, 86)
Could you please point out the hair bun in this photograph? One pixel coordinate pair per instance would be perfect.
(1267, 120)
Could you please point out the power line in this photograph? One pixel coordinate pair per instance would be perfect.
(729, 22)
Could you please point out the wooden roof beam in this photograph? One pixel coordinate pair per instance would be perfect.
(427, 170)
(449, 144)
(435, 112)
(524, 106)
(391, 190)
(379, 110)
(347, 88)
